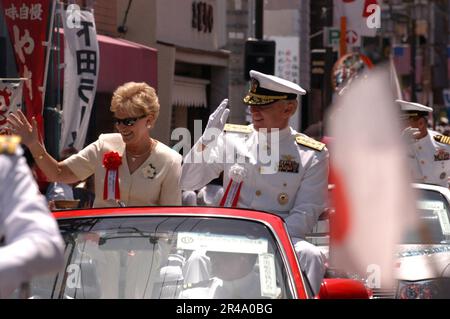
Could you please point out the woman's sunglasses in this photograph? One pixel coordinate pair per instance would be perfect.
(129, 121)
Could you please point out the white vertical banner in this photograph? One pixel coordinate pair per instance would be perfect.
(287, 65)
(10, 99)
(82, 60)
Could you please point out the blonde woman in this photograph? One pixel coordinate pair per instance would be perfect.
(130, 167)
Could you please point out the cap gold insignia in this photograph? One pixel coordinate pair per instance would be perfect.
(283, 198)
(254, 85)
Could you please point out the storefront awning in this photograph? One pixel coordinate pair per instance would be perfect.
(189, 92)
(123, 61)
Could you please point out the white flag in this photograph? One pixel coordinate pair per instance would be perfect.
(10, 100)
(82, 60)
(373, 195)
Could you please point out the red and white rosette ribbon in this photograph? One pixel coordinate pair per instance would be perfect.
(111, 161)
(237, 175)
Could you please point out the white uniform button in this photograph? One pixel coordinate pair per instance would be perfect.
(258, 193)
(419, 148)
(422, 162)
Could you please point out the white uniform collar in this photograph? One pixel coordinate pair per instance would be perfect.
(282, 134)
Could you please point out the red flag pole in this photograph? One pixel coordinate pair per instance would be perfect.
(343, 38)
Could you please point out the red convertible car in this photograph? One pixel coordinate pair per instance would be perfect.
(181, 252)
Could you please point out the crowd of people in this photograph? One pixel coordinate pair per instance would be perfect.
(130, 168)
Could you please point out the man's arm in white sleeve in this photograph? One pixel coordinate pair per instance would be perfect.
(202, 164)
(32, 241)
(311, 197)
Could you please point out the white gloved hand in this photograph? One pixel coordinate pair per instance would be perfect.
(410, 134)
(216, 123)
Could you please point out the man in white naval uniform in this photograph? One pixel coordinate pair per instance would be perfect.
(429, 151)
(30, 238)
(232, 276)
(284, 172)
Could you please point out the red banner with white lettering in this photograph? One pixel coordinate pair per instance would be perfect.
(27, 22)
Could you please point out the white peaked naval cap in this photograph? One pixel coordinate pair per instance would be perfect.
(266, 89)
(414, 109)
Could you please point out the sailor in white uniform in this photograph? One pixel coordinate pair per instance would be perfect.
(29, 236)
(230, 276)
(428, 151)
(267, 165)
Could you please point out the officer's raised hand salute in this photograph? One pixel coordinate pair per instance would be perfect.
(216, 122)
(31, 243)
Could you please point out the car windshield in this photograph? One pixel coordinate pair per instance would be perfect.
(434, 226)
(166, 257)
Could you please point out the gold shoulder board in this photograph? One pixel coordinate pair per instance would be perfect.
(235, 128)
(8, 144)
(442, 139)
(309, 142)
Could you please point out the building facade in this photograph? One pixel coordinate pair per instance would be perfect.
(190, 37)
(287, 23)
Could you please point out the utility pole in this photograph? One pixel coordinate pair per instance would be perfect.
(259, 19)
(412, 43)
(259, 53)
(440, 76)
(322, 61)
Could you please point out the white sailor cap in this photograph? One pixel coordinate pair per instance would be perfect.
(411, 109)
(266, 89)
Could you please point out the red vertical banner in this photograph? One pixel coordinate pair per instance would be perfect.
(27, 22)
